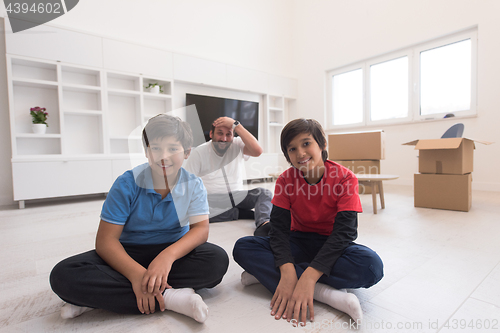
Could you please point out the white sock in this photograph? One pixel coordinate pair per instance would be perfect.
(248, 279)
(186, 302)
(71, 311)
(340, 300)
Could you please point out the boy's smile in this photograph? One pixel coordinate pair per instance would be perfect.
(306, 155)
(165, 157)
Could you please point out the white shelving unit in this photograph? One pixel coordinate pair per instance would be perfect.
(275, 112)
(93, 119)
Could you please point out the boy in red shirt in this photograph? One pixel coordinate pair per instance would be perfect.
(310, 253)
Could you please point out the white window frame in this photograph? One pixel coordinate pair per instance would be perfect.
(329, 88)
(413, 54)
(379, 60)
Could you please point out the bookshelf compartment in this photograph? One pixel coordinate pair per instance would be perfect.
(80, 76)
(123, 82)
(276, 102)
(83, 134)
(126, 146)
(124, 114)
(38, 146)
(154, 106)
(81, 99)
(166, 86)
(27, 96)
(32, 70)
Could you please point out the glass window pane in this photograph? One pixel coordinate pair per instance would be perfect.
(389, 89)
(347, 100)
(445, 78)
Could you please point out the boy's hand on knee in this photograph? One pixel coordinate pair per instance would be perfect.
(284, 291)
(155, 278)
(301, 300)
(146, 301)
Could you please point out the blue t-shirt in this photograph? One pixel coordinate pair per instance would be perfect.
(147, 219)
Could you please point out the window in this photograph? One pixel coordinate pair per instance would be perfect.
(423, 82)
(389, 89)
(445, 78)
(347, 91)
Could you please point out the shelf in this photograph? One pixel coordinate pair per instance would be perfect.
(118, 92)
(79, 87)
(40, 136)
(276, 124)
(132, 137)
(157, 96)
(80, 76)
(83, 112)
(275, 109)
(41, 84)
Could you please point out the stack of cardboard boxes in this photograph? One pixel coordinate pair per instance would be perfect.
(444, 180)
(360, 152)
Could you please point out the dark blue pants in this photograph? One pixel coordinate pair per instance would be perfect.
(358, 267)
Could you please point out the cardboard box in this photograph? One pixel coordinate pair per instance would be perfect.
(362, 167)
(445, 156)
(451, 192)
(357, 146)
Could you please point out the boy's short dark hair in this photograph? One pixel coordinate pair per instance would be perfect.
(299, 126)
(164, 125)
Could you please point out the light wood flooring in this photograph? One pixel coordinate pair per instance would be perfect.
(439, 266)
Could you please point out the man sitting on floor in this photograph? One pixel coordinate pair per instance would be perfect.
(220, 164)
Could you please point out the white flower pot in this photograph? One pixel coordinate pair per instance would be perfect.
(39, 128)
(155, 90)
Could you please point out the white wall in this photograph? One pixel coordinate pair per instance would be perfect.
(329, 34)
(249, 33)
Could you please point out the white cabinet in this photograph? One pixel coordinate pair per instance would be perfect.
(56, 44)
(246, 79)
(197, 70)
(127, 57)
(45, 179)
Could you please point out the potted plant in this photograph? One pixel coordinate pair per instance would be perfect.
(154, 88)
(39, 120)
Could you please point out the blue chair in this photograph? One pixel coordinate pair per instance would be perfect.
(455, 131)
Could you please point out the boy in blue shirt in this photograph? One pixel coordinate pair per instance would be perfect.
(151, 250)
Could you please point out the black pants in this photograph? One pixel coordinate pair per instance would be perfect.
(87, 280)
(221, 208)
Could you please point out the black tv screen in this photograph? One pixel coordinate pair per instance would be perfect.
(210, 108)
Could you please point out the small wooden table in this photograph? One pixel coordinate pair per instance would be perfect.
(375, 181)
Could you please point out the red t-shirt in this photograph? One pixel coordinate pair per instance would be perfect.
(313, 207)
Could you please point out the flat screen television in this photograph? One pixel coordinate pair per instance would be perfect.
(210, 108)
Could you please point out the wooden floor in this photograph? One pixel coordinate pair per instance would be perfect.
(439, 266)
